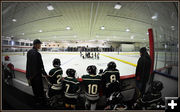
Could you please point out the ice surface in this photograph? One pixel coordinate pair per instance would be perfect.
(73, 60)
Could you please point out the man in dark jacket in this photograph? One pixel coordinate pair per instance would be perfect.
(34, 72)
(143, 70)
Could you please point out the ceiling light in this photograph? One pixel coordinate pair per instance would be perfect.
(147, 33)
(172, 27)
(22, 33)
(144, 39)
(132, 37)
(117, 6)
(155, 16)
(40, 31)
(50, 7)
(127, 30)
(102, 27)
(68, 28)
(14, 20)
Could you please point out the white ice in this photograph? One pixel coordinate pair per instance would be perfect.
(73, 60)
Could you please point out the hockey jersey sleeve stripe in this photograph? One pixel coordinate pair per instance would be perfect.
(90, 79)
(55, 73)
(71, 81)
(91, 95)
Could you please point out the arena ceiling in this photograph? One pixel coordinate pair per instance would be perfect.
(88, 20)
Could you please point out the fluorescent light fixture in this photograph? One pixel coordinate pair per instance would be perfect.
(155, 16)
(117, 6)
(68, 28)
(40, 31)
(127, 30)
(172, 28)
(102, 27)
(22, 33)
(132, 37)
(14, 20)
(50, 7)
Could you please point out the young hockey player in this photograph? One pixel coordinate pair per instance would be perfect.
(71, 89)
(110, 79)
(97, 55)
(92, 85)
(55, 78)
(8, 69)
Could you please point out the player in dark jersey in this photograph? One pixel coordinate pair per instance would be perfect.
(110, 79)
(71, 89)
(92, 85)
(55, 79)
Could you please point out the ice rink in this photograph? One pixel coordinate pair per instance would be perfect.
(73, 60)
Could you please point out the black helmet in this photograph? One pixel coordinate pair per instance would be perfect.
(100, 71)
(143, 50)
(70, 72)
(37, 41)
(56, 62)
(157, 86)
(111, 65)
(91, 69)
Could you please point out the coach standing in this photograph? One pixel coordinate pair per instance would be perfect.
(34, 72)
(143, 70)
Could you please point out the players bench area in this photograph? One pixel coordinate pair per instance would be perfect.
(22, 95)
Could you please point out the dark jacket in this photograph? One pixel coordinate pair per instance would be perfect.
(34, 65)
(143, 68)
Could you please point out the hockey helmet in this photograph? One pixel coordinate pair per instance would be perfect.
(56, 62)
(111, 65)
(91, 69)
(157, 86)
(6, 58)
(70, 72)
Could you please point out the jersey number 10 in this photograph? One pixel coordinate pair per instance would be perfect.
(92, 88)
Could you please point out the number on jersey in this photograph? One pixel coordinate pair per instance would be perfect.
(92, 88)
(112, 78)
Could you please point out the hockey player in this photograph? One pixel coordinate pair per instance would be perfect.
(8, 69)
(97, 55)
(71, 89)
(110, 79)
(55, 78)
(92, 85)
